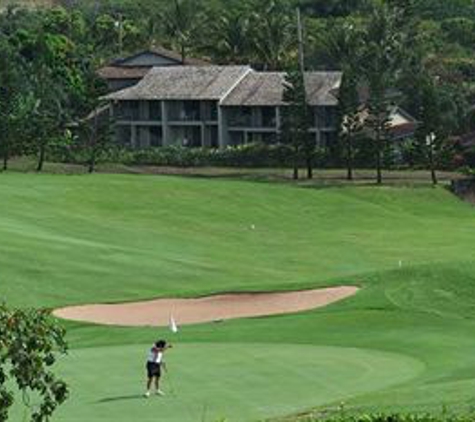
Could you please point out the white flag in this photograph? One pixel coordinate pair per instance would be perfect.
(172, 325)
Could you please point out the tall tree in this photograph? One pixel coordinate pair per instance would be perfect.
(296, 122)
(30, 342)
(273, 33)
(49, 116)
(380, 59)
(342, 46)
(10, 98)
(183, 20)
(349, 117)
(228, 39)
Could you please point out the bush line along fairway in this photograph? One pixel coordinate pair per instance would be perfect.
(74, 239)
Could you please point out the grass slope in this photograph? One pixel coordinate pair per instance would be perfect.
(78, 239)
(125, 238)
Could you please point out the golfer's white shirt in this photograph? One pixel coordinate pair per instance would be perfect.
(154, 356)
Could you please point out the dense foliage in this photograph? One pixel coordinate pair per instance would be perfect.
(421, 49)
(396, 418)
(29, 343)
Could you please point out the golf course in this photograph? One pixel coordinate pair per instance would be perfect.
(405, 342)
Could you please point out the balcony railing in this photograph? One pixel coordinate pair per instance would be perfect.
(184, 115)
(127, 111)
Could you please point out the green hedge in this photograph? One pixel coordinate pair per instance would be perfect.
(250, 155)
(398, 418)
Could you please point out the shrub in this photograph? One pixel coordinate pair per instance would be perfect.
(249, 155)
(398, 418)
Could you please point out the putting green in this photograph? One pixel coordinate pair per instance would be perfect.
(241, 382)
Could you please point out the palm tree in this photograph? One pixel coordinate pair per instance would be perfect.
(182, 21)
(379, 65)
(342, 48)
(228, 40)
(273, 32)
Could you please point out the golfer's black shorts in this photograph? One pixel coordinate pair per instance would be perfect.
(153, 369)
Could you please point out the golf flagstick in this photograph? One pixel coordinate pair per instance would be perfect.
(172, 325)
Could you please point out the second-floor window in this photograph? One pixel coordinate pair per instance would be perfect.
(268, 116)
(127, 110)
(155, 110)
(240, 116)
(190, 110)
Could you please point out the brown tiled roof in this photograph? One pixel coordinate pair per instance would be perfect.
(173, 55)
(119, 69)
(126, 72)
(403, 130)
(184, 83)
(396, 130)
(267, 89)
(322, 88)
(164, 52)
(233, 85)
(257, 89)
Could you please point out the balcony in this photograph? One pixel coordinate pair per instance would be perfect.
(136, 111)
(192, 111)
(127, 110)
(184, 111)
(252, 117)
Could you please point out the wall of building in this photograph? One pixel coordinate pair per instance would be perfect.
(203, 124)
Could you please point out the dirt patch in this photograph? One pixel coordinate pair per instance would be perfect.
(157, 313)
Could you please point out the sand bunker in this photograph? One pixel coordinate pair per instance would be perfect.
(157, 313)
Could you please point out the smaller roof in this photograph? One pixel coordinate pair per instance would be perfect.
(257, 89)
(184, 83)
(267, 89)
(117, 72)
(322, 88)
(163, 52)
(401, 124)
(402, 130)
(126, 67)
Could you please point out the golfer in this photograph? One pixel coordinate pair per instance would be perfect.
(154, 366)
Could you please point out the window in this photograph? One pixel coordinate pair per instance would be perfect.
(124, 135)
(213, 138)
(142, 139)
(240, 116)
(210, 111)
(127, 110)
(184, 111)
(155, 136)
(326, 117)
(155, 110)
(191, 110)
(268, 116)
(186, 136)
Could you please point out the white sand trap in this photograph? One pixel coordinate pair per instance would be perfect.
(157, 313)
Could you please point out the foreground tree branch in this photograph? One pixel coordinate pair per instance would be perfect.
(30, 342)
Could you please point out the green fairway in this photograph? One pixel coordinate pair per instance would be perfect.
(406, 341)
(146, 237)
